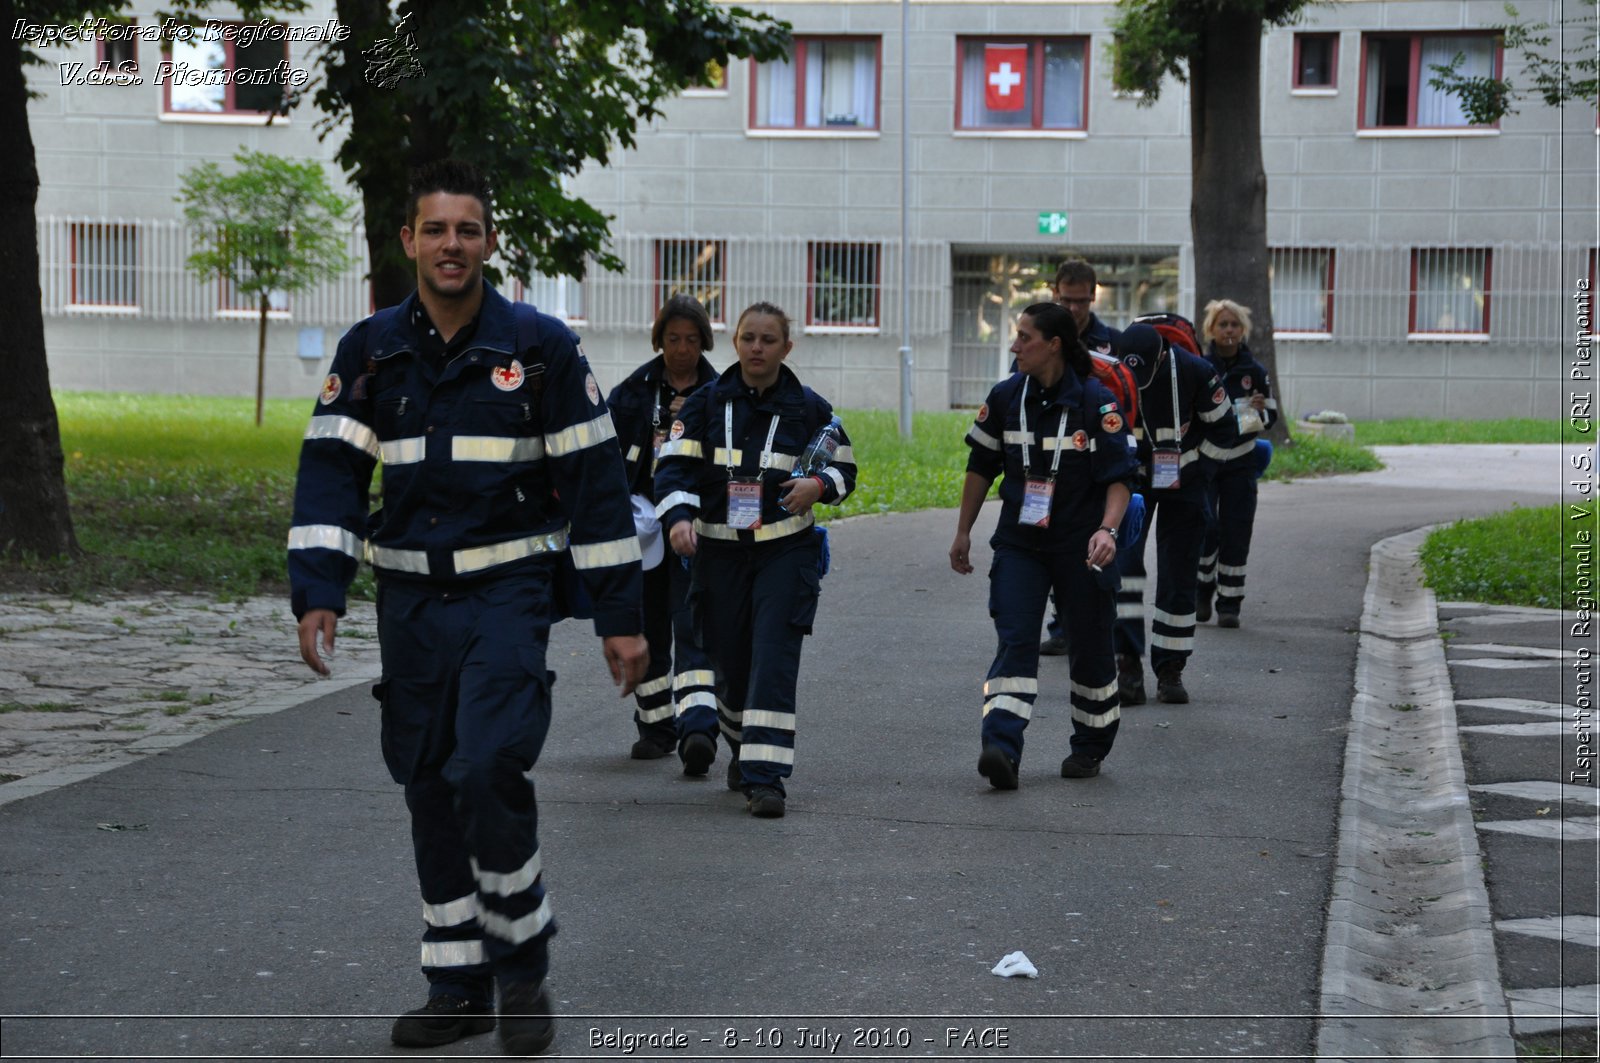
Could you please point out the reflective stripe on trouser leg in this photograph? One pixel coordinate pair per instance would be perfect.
(453, 955)
(1236, 521)
(783, 602)
(1208, 543)
(720, 590)
(1129, 632)
(694, 683)
(652, 714)
(1182, 525)
(1019, 582)
(1096, 710)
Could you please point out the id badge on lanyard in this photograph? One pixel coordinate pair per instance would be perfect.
(744, 504)
(1038, 492)
(1164, 469)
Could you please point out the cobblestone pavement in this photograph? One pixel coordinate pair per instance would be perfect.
(88, 685)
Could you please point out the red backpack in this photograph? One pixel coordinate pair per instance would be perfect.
(1117, 379)
(1174, 328)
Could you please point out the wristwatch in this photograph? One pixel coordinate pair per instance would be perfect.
(1109, 531)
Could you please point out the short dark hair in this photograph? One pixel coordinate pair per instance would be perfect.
(1075, 271)
(688, 308)
(454, 177)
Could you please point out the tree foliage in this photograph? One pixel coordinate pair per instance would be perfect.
(1561, 62)
(1156, 38)
(273, 225)
(530, 91)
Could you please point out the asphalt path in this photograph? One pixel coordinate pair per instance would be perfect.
(251, 894)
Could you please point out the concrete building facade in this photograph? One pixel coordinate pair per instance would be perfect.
(1422, 266)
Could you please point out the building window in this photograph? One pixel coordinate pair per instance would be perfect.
(105, 265)
(1037, 83)
(843, 285)
(826, 83)
(1450, 291)
(558, 296)
(233, 302)
(120, 55)
(693, 267)
(1316, 60)
(1301, 279)
(254, 81)
(713, 81)
(1395, 93)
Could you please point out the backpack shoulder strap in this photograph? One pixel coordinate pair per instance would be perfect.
(530, 345)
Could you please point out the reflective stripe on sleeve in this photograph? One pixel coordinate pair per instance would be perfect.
(478, 558)
(1216, 413)
(677, 498)
(765, 533)
(1216, 453)
(404, 451)
(451, 913)
(681, 448)
(844, 456)
(982, 438)
(838, 482)
(516, 931)
(633, 452)
(508, 883)
(452, 953)
(496, 448)
(347, 429)
(777, 460)
(605, 555)
(778, 721)
(654, 686)
(573, 439)
(325, 537)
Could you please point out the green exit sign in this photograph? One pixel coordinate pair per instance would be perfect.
(1052, 223)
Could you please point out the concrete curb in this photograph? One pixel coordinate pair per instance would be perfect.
(34, 785)
(1409, 966)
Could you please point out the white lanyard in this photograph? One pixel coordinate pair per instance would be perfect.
(727, 435)
(1172, 360)
(1061, 431)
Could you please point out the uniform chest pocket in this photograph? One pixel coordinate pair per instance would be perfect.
(396, 416)
(508, 413)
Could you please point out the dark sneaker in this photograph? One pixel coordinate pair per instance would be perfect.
(1080, 766)
(697, 753)
(1227, 619)
(1202, 602)
(526, 1028)
(735, 775)
(1054, 646)
(650, 749)
(1130, 679)
(999, 769)
(765, 802)
(441, 1020)
(1169, 685)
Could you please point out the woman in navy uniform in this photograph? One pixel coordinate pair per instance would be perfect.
(643, 408)
(1226, 550)
(728, 496)
(1068, 460)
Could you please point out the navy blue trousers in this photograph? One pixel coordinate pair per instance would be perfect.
(754, 604)
(1180, 526)
(1226, 552)
(679, 673)
(1020, 580)
(466, 706)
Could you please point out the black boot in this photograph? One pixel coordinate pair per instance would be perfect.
(1130, 679)
(1169, 684)
(442, 1020)
(526, 1028)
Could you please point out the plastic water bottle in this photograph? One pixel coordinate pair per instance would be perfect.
(820, 451)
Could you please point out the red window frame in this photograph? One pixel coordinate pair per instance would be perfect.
(229, 91)
(1327, 284)
(1035, 45)
(1488, 290)
(102, 50)
(79, 230)
(875, 250)
(1333, 61)
(665, 287)
(797, 59)
(1416, 74)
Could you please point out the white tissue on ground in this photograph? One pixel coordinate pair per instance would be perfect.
(1015, 965)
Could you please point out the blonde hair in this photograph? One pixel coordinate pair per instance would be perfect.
(1217, 306)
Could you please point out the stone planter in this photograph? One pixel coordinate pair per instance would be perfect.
(1345, 433)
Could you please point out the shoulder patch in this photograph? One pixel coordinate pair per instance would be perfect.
(1245, 380)
(1111, 422)
(507, 377)
(1218, 396)
(592, 386)
(1108, 407)
(677, 430)
(983, 412)
(330, 389)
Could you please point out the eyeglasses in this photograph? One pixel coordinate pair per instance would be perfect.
(1074, 302)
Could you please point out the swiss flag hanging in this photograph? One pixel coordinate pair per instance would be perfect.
(1004, 68)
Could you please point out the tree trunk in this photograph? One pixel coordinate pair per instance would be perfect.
(261, 357)
(34, 518)
(1228, 194)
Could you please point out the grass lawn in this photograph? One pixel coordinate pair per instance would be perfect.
(1509, 430)
(185, 493)
(1514, 558)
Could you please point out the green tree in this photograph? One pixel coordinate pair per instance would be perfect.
(34, 517)
(271, 226)
(1561, 63)
(1215, 46)
(530, 91)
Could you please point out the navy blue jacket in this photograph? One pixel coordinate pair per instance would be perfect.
(489, 467)
(1204, 416)
(639, 408)
(692, 474)
(1097, 449)
(1242, 376)
(1099, 337)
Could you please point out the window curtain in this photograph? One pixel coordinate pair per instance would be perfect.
(1450, 295)
(775, 94)
(1063, 85)
(1299, 296)
(1436, 108)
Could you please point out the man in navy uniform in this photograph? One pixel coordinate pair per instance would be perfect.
(498, 457)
